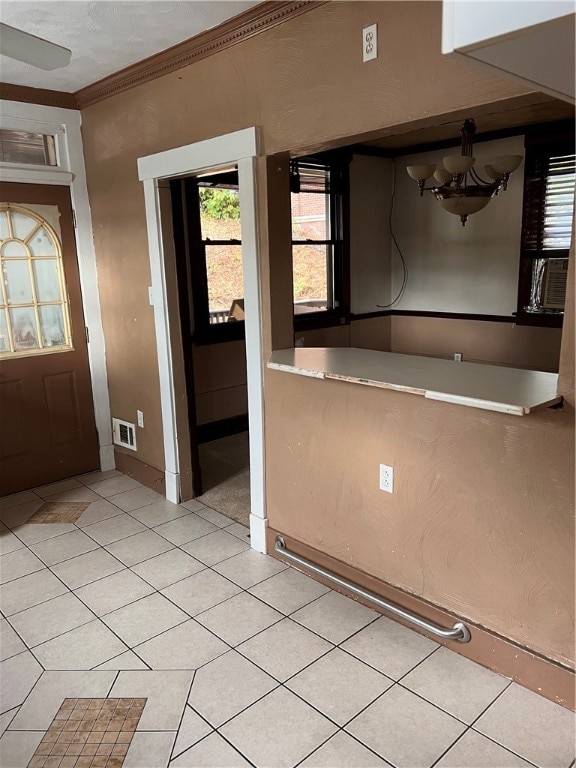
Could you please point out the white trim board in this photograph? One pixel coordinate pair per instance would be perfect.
(240, 148)
(64, 124)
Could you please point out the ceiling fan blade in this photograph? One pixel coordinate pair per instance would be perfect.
(32, 50)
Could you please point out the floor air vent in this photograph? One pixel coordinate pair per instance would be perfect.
(124, 433)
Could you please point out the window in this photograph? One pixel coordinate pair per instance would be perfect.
(319, 266)
(207, 230)
(29, 148)
(33, 306)
(549, 180)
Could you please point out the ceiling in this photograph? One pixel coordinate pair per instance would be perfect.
(107, 35)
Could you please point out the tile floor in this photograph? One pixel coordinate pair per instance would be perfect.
(242, 660)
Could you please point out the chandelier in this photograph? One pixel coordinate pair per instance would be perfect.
(456, 195)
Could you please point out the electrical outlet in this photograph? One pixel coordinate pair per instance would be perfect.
(370, 42)
(140, 417)
(457, 357)
(386, 478)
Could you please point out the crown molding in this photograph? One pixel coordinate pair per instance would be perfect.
(46, 98)
(248, 24)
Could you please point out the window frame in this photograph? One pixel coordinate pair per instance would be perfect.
(337, 164)
(190, 244)
(540, 144)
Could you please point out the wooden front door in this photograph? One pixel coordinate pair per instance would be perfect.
(47, 427)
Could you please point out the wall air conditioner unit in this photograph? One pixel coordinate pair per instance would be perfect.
(124, 434)
(554, 294)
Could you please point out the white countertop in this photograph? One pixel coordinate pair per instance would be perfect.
(490, 387)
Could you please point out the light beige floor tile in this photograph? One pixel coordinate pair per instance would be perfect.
(342, 751)
(9, 542)
(191, 730)
(15, 499)
(226, 686)
(33, 533)
(186, 646)
(96, 512)
(389, 647)
(139, 621)
(531, 726)
(19, 514)
(63, 547)
(249, 568)
(114, 529)
(166, 693)
(126, 660)
(141, 546)
(113, 592)
(59, 487)
(405, 730)
(201, 591)
(339, 685)
(82, 493)
(215, 547)
(19, 674)
(238, 618)
(94, 477)
(265, 732)
(17, 564)
(114, 485)
(185, 529)
(137, 497)
(284, 649)
(159, 512)
(214, 517)
(455, 684)
(81, 648)
(193, 504)
(50, 619)
(239, 530)
(6, 718)
(150, 749)
(29, 591)
(87, 568)
(476, 750)
(334, 616)
(43, 703)
(289, 590)
(168, 568)
(17, 748)
(211, 752)
(10, 643)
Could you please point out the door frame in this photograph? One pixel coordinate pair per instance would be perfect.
(64, 125)
(240, 148)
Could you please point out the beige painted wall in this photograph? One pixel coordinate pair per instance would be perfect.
(480, 505)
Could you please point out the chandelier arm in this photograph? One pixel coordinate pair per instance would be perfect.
(479, 180)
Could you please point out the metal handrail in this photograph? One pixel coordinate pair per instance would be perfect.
(458, 632)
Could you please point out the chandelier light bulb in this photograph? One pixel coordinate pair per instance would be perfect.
(506, 163)
(442, 176)
(460, 164)
(420, 172)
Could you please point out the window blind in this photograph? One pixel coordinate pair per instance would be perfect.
(550, 176)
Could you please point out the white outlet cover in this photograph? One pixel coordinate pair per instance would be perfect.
(370, 42)
(386, 478)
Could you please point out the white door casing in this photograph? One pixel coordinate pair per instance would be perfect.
(239, 148)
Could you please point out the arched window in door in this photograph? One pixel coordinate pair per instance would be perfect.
(34, 314)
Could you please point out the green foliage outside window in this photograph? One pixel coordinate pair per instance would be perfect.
(220, 203)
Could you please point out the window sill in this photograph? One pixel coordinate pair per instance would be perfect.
(540, 320)
(514, 391)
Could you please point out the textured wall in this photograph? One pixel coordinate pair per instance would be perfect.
(482, 528)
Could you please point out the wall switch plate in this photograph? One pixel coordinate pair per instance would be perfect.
(370, 42)
(386, 478)
(458, 357)
(140, 417)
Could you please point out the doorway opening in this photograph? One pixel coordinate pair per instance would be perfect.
(206, 222)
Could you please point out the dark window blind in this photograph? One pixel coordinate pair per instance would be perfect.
(550, 176)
